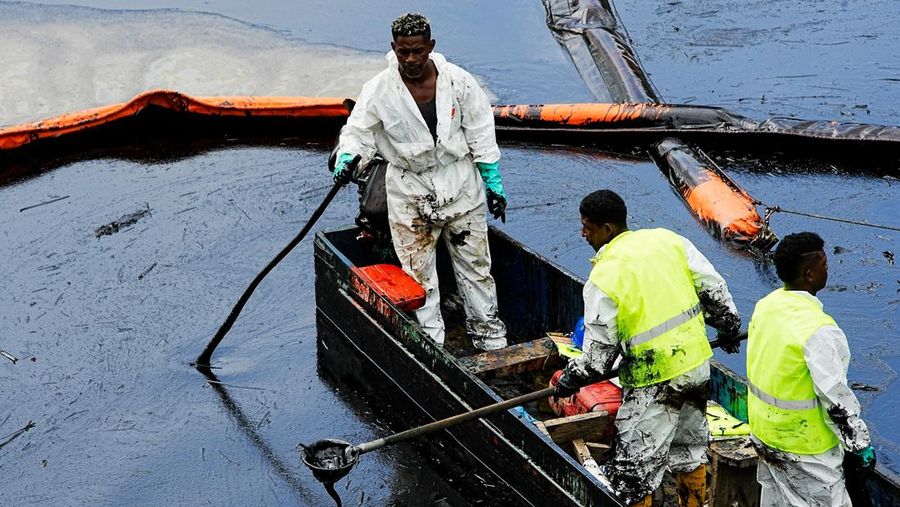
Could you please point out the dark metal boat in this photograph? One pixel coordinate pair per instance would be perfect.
(366, 341)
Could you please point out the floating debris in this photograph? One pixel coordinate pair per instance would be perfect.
(8, 356)
(146, 271)
(12, 436)
(51, 201)
(123, 221)
(859, 386)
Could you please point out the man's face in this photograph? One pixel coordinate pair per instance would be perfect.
(816, 271)
(596, 235)
(412, 54)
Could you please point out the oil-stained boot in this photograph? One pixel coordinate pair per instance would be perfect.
(646, 502)
(691, 488)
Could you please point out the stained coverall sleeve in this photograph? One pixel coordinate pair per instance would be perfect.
(827, 357)
(478, 122)
(358, 135)
(718, 306)
(601, 342)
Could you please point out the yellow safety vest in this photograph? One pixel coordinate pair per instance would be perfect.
(660, 322)
(782, 405)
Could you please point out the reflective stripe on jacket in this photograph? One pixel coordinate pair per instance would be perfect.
(782, 405)
(659, 320)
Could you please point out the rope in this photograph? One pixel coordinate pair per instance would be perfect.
(775, 209)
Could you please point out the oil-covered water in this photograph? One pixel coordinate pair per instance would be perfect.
(103, 327)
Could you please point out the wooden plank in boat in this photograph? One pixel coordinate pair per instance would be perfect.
(598, 451)
(517, 358)
(584, 457)
(587, 451)
(593, 426)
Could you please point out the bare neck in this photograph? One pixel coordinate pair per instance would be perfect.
(424, 87)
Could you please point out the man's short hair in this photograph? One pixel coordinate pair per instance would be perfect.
(604, 206)
(793, 253)
(410, 25)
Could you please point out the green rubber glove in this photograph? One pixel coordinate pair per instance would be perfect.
(341, 171)
(490, 173)
(496, 196)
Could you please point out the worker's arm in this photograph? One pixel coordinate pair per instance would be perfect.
(358, 135)
(718, 306)
(601, 342)
(477, 122)
(827, 356)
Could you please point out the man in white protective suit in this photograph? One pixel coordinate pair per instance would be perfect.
(434, 125)
(804, 419)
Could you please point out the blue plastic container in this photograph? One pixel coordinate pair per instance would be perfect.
(578, 333)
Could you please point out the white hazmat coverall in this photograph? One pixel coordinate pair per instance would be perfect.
(433, 187)
(789, 479)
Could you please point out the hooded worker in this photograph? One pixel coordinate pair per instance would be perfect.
(802, 413)
(435, 126)
(645, 300)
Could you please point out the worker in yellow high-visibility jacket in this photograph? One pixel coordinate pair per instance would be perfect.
(647, 299)
(802, 413)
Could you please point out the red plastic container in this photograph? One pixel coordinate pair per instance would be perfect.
(393, 283)
(602, 396)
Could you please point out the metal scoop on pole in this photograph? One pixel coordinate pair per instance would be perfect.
(331, 459)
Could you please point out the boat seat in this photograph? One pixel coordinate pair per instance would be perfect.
(596, 427)
(513, 359)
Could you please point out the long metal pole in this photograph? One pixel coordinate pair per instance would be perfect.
(451, 421)
(478, 413)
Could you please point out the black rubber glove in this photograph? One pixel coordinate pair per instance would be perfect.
(565, 387)
(496, 205)
(729, 341)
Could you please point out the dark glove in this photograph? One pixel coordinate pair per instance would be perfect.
(496, 205)
(565, 387)
(861, 462)
(729, 341)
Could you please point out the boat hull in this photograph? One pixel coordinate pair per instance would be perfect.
(365, 341)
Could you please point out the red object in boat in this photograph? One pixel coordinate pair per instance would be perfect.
(394, 284)
(599, 397)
